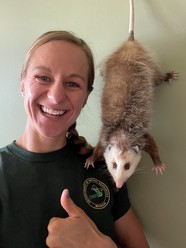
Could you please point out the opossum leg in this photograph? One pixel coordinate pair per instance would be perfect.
(166, 77)
(97, 155)
(152, 149)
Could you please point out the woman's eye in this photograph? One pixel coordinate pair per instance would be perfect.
(72, 84)
(43, 78)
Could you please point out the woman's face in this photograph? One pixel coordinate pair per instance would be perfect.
(55, 88)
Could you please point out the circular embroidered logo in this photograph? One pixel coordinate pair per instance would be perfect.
(96, 193)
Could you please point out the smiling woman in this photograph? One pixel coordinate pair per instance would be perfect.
(56, 80)
(58, 87)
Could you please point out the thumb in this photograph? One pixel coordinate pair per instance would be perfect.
(69, 206)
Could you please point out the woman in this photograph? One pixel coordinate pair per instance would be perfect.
(47, 159)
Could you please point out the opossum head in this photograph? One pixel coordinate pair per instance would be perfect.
(121, 165)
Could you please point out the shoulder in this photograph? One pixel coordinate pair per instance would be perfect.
(5, 153)
(121, 202)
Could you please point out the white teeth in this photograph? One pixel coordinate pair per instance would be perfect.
(51, 111)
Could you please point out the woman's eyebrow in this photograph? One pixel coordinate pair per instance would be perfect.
(77, 76)
(41, 67)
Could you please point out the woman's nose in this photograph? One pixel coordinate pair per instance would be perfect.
(56, 93)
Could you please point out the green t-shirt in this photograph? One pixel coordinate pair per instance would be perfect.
(30, 188)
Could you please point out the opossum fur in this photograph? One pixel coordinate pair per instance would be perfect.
(129, 76)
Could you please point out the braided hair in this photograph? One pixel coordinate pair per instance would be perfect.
(80, 143)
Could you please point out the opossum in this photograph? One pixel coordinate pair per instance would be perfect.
(129, 76)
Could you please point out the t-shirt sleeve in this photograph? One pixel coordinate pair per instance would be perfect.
(121, 203)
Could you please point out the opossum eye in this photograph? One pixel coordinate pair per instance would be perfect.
(114, 165)
(127, 166)
(109, 147)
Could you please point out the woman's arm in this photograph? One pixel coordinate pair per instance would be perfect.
(129, 232)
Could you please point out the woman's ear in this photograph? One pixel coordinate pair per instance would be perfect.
(88, 93)
(22, 86)
(85, 101)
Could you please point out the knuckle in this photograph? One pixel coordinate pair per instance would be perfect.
(53, 225)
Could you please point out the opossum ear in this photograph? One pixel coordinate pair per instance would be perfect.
(109, 147)
(135, 149)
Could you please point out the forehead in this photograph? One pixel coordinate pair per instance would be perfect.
(60, 52)
(123, 155)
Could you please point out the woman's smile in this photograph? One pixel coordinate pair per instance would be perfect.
(51, 112)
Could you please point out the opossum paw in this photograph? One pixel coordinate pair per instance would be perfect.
(159, 169)
(89, 163)
(99, 72)
(172, 75)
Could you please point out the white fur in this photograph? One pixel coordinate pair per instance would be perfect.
(114, 155)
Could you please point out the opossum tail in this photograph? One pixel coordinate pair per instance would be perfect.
(131, 20)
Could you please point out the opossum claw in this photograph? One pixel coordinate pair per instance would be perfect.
(89, 163)
(172, 75)
(99, 71)
(159, 169)
(175, 74)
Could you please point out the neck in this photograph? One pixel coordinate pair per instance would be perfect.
(35, 143)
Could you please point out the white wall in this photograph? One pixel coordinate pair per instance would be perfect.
(159, 201)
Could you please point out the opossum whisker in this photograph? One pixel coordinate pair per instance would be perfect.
(141, 170)
(103, 171)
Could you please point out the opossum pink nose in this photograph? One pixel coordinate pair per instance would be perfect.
(119, 184)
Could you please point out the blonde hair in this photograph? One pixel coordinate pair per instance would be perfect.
(79, 142)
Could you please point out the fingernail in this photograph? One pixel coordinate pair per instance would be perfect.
(68, 194)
